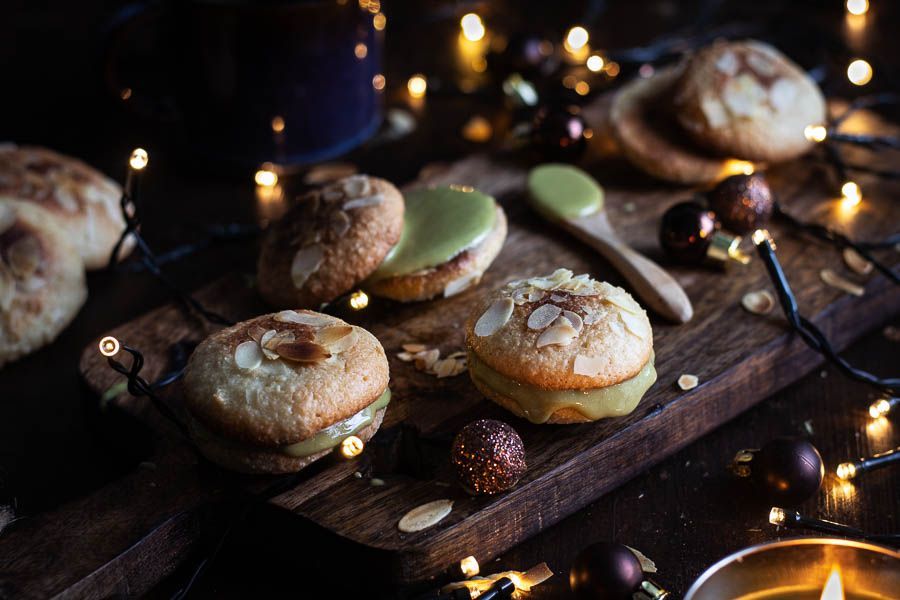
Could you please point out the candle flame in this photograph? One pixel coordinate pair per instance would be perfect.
(834, 588)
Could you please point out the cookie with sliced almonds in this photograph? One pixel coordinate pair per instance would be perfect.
(42, 284)
(561, 348)
(329, 241)
(275, 393)
(84, 200)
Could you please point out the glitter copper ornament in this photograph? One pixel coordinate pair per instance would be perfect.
(489, 456)
(743, 203)
(690, 234)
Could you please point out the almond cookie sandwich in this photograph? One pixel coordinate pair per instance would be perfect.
(451, 235)
(42, 284)
(280, 391)
(329, 241)
(85, 201)
(746, 99)
(561, 349)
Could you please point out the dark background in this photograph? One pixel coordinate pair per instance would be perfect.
(685, 513)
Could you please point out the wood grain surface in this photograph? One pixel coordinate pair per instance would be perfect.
(125, 536)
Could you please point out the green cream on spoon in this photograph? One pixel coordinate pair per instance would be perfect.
(438, 224)
(563, 192)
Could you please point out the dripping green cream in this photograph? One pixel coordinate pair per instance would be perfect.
(563, 192)
(438, 224)
(536, 404)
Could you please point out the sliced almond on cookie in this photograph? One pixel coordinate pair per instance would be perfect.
(306, 261)
(588, 366)
(574, 319)
(425, 516)
(264, 344)
(363, 202)
(541, 317)
(494, 317)
(329, 335)
(624, 302)
(24, 257)
(343, 344)
(339, 223)
(558, 335)
(635, 324)
(302, 352)
(313, 320)
(357, 186)
(247, 355)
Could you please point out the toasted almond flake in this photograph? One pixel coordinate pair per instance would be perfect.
(24, 257)
(356, 186)
(574, 319)
(856, 261)
(363, 202)
(339, 223)
(414, 347)
(306, 262)
(444, 367)
(332, 333)
(647, 565)
(616, 328)
(589, 366)
(345, 343)
(426, 360)
(635, 324)
(623, 301)
(558, 297)
(494, 317)
(264, 345)
(458, 367)
(406, 356)
(836, 281)
(282, 337)
(247, 355)
(256, 332)
(425, 516)
(461, 284)
(304, 318)
(527, 295)
(303, 352)
(558, 335)
(541, 317)
(688, 382)
(760, 302)
(331, 195)
(457, 354)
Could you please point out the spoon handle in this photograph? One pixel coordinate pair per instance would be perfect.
(659, 290)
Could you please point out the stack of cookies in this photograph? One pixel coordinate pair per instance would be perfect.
(731, 100)
(58, 217)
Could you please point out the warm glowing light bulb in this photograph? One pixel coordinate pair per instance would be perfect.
(352, 446)
(472, 27)
(378, 82)
(595, 63)
(879, 408)
(815, 133)
(469, 566)
(109, 346)
(759, 236)
(851, 195)
(611, 68)
(361, 51)
(359, 300)
(859, 72)
(834, 588)
(417, 86)
(857, 7)
(576, 39)
(265, 176)
(582, 88)
(379, 22)
(139, 159)
(846, 471)
(776, 516)
(277, 124)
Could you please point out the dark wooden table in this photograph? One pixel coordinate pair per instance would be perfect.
(685, 513)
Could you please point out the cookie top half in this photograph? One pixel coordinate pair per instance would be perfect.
(561, 332)
(329, 241)
(281, 378)
(746, 99)
(84, 200)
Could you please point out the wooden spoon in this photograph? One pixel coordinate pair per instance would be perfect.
(572, 199)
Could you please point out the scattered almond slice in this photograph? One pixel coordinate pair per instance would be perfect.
(647, 565)
(302, 352)
(541, 317)
(856, 261)
(688, 382)
(415, 347)
(426, 360)
(624, 302)
(264, 344)
(574, 319)
(635, 324)
(461, 284)
(444, 367)
(558, 335)
(425, 516)
(356, 186)
(256, 332)
(339, 223)
(313, 320)
(429, 360)
(760, 302)
(836, 281)
(306, 262)
(589, 366)
(247, 355)
(591, 318)
(494, 317)
(24, 257)
(363, 202)
(406, 356)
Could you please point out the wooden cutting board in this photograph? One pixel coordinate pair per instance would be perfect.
(134, 531)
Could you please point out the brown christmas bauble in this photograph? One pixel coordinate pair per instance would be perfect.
(686, 230)
(489, 456)
(743, 203)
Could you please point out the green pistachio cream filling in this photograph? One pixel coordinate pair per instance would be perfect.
(438, 224)
(326, 439)
(537, 405)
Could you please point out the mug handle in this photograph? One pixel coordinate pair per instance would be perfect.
(156, 104)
